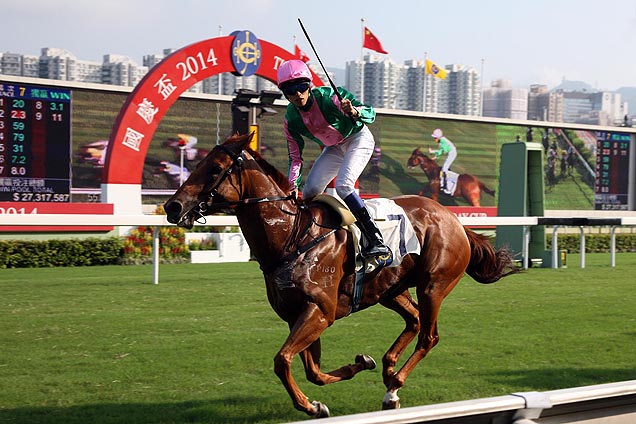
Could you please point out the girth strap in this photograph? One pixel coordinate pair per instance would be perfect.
(296, 253)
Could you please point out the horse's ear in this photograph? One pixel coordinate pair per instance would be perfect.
(241, 140)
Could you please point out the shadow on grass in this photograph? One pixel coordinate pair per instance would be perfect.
(230, 410)
(561, 378)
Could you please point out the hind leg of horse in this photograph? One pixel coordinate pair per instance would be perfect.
(472, 195)
(303, 333)
(311, 361)
(406, 306)
(430, 299)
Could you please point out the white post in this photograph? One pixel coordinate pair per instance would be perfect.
(155, 254)
(612, 246)
(582, 247)
(526, 246)
(181, 151)
(555, 247)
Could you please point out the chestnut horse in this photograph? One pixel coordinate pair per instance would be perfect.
(468, 186)
(307, 260)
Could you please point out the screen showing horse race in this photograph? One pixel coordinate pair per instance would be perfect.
(54, 141)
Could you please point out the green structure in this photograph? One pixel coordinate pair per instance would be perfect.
(521, 193)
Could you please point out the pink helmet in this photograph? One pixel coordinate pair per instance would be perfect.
(292, 70)
(437, 133)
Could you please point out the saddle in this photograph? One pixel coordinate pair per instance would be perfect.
(397, 231)
(339, 206)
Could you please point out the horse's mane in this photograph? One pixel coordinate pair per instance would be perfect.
(279, 178)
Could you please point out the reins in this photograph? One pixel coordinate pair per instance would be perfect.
(238, 160)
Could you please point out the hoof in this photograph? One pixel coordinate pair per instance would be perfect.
(367, 361)
(321, 410)
(391, 400)
(391, 405)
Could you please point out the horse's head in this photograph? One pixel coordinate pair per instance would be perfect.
(214, 184)
(428, 165)
(416, 159)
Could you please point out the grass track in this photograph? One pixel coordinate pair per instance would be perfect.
(102, 345)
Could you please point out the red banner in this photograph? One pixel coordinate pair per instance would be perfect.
(54, 208)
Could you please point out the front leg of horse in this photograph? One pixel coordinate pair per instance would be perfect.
(311, 361)
(304, 332)
(406, 306)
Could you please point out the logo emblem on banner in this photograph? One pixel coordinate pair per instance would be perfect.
(246, 53)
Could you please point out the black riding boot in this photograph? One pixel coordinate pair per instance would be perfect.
(444, 186)
(373, 245)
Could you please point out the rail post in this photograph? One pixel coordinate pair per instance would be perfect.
(155, 255)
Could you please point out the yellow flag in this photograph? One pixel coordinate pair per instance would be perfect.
(433, 69)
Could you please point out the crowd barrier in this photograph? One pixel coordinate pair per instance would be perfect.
(157, 221)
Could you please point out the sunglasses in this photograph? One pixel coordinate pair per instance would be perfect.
(299, 87)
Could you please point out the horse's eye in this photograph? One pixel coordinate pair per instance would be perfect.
(216, 169)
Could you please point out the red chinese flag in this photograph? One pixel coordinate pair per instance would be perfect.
(300, 54)
(371, 42)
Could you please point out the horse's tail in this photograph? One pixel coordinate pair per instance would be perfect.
(488, 265)
(486, 189)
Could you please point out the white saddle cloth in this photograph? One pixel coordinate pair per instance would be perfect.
(451, 182)
(396, 229)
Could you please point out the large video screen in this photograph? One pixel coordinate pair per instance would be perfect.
(582, 169)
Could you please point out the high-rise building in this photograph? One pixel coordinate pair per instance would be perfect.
(60, 64)
(414, 79)
(19, 65)
(502, 100)
(121, 70)
(538, 102)
(380, 82)
(460, 92)
(408, 87)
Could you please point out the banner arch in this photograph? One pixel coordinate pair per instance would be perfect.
(161, 87)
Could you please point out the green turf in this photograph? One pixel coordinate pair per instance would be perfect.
(103, 345)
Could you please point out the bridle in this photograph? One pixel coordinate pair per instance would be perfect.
(238, 161)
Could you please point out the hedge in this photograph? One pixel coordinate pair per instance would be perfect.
(137, 249)
(51, 253)
(594, 243)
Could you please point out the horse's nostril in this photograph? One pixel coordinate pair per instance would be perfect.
(173, 209)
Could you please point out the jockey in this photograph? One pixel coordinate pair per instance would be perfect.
(445, 147)
(318, 115)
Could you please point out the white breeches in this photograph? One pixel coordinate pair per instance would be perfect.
(449, 160)
(344, 161)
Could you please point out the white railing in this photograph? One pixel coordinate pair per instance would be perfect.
(157, 221)
(604, 403)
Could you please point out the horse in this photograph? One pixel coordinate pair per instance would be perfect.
(468, 186)
(308, 262)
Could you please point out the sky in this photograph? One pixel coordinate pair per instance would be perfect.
(525, 41)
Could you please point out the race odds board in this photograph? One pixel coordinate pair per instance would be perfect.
(612, 169)
(35, 143)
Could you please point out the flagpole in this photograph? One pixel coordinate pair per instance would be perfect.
(362, 62)
(220, 76)
(424, 92)
(481, 103)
